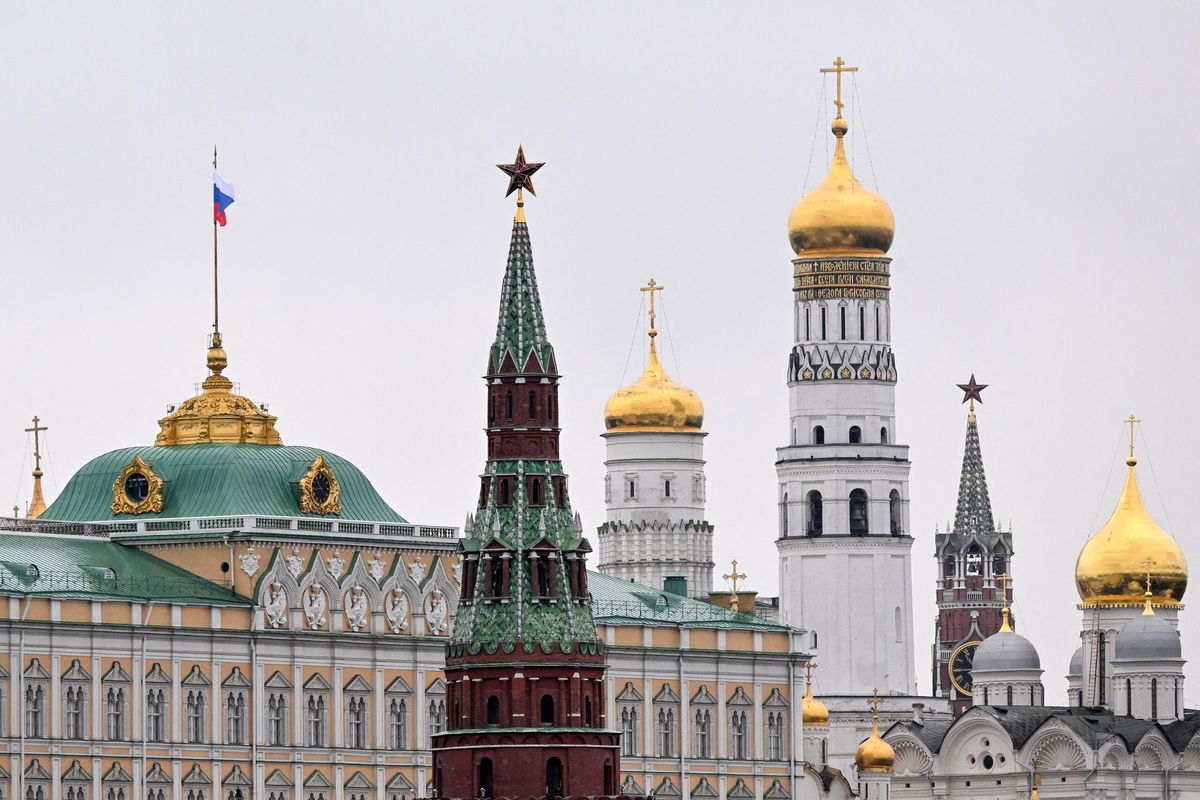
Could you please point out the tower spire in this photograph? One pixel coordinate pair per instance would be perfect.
(974, 512)
(38, 503)
(1006, 625)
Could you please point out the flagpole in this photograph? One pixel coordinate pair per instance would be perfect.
(216, 295)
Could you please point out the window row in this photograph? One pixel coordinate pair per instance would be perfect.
(854, 435)
(531, 407)
(538, 491)
(849, 324)
(859, 523)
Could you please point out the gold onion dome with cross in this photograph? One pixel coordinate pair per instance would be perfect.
(654, 402)
(841, 216)
(1131, 558)
(874, 754)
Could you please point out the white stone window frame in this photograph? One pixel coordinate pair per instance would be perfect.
(739, 713)
(116, 784)
(356, 694)
(629, 708)
(76, 683)
(156, 683)
(703, 703)
(776, 709)
(278, 786)
(317, 787)
(196, 784)
(76, 782)
(35, 701)
(358, 787)
(435, 707)
(277, 694)
(630, 487)
(400, 788)
(398, 691)
(158, 783)
(196, 694)
(235, 716)
(116, 688)
(317, 699)
(666, 707)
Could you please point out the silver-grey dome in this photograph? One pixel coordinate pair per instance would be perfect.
(1147, 638)
(1005, 652)
(1075, 670)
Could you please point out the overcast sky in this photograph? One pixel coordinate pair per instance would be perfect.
(1040, 159)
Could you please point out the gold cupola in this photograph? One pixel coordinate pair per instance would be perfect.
(841, 216)
(1131, 556)
(812, 710)
(654, 402)
(217, 415)
(874, 754)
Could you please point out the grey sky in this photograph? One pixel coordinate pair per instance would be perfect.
(1040, 160)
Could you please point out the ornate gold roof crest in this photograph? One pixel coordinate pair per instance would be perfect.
(319, 489)
(137, 490)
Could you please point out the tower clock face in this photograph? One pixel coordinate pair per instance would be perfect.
(961, 661)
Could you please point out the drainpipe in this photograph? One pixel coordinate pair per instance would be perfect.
(145, 740)
(795, 731)
(20, 698)
(683, 715)
(254, 705)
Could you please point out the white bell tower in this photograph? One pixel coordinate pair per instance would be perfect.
(844, 541)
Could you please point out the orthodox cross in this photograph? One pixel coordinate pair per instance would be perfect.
(839, 67)
(1131, 422)
(808, 668)
(733, 577)
(874, 703)
(37, 448)
(653, 287)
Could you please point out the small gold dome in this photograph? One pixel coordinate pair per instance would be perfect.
(841, 214)
(654, 402)
(875, 755)
(813, 710)
(1113, 566)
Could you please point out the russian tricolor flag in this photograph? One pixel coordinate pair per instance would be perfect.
(222, 197)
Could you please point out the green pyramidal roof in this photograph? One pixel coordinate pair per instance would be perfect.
(208, 480)
(80, 566)
(974, 513)
(521, 330)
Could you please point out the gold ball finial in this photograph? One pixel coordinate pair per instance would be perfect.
(840, 127)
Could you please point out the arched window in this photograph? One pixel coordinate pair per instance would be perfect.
(554, 778)
(883, 435)
(855, 434)
(823, 319)
(493, 711)
(974, 560)
(356, 722)
(1102, 664)
(495, 575)
(948, 566)
(1154, 698)
(862, 323)
(818, 434)
(532, 406)
(843, 320)
(1128, 697)
(667, 487)
(610, 782)
(629, 730)
(703, 733)
(737, 727)
(537, 495)
(485, 778)
(508, 406)
(505, 492)
(807, 334)
(814, 513)
(1010, 702)
(587, 711)
(858, 513)
(877, 322)
(783, 515)
(547, 709)
(894, 512)
(985, 695)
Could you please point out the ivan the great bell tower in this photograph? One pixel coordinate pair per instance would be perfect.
(844, 545)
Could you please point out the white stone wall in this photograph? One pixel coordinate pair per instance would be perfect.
(654, 494)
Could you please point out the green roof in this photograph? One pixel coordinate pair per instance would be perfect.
(207, 480)
(80, 566)
(616, 601)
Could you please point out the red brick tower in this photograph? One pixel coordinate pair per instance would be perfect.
(524, 667)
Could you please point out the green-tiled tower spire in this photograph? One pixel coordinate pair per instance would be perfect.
(974, 512)
(525, 581)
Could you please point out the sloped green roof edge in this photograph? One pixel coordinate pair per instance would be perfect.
(619, 601)
(207, 480)
(76, 566)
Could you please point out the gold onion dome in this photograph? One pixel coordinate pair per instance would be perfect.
(841, 215)
(813, 710)
(875, 755)
(1116, 562)
(217, 414)
(654, 402)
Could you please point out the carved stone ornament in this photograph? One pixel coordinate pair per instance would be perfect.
(337, 564)
(417, 570)
(356, 608)
(314, 607)
(437, 612)
(295, 563)
(276, 605)
(458, 571)
(377, 567)
(250, 562)
(137, 490)
(396, 608)
(319, 489)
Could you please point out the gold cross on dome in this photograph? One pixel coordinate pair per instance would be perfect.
(37, 448)
(733, 577)
(839, 67)
(653, 287)
(874, 703)
(1131, 422)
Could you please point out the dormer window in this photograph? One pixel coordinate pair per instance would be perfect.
(31, 571)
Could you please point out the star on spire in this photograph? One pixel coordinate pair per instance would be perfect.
(972, 390)
(520, 173)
